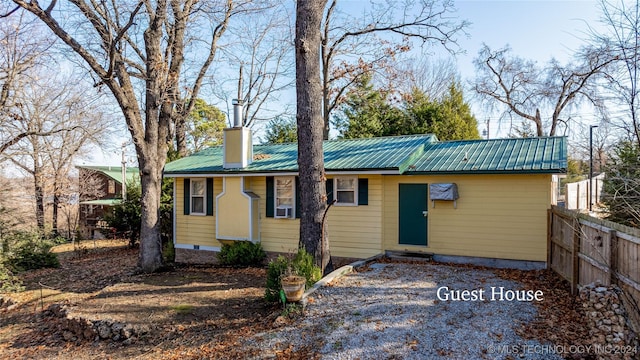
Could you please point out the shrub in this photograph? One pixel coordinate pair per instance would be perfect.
(168, 252)
(126, 216)
(301, 264)
(242, 254)
(275, 270)
(9, 282)
(29, 251)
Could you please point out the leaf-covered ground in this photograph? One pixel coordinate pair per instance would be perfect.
(193, 312)
(185, 308)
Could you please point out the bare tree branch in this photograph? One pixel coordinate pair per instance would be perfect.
(525, 89)
(347, 37)
(4, 146)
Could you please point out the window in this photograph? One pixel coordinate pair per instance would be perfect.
(112, 187)
(346, 190)
(197, 196)
(284, 197)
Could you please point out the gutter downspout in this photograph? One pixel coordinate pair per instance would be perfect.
(324, 218)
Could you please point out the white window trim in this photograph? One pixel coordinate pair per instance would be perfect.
(275, 197)
(204, 197)
(355, 190)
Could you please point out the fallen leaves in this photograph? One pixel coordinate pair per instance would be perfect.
(559, 320)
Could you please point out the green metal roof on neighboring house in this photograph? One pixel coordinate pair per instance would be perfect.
(387, 153)
(115, 172)
(411, 154)
(530, 155)
(107, 202)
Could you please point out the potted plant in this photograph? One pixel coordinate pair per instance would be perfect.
(293, 285)
(288, 276)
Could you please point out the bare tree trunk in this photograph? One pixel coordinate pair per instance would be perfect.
(310, 128)
(181, 137)
(150, 255)
(157, 44)
(56, 204)
(39, 196)
(539, 129)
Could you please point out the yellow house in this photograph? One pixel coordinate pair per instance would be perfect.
(483, 200)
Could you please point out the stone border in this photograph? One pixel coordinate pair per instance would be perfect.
(74, 329)
(608, 322)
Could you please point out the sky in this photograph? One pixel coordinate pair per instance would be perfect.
(536, 30)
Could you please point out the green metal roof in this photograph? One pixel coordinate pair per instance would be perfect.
(531, 155)
(411, 154)
(115, 172)
(388, 153)
(107, 202)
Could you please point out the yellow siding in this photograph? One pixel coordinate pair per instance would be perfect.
(277, 235)
(497, 216)
(234, 214)
(195, 229)
(354, 231)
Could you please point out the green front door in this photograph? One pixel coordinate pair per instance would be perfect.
(413, 214)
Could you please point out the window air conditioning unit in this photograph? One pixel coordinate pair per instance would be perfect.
(284, 212)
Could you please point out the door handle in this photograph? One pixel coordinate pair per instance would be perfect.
(425, 213)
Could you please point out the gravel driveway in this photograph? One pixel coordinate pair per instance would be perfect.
(392, 311)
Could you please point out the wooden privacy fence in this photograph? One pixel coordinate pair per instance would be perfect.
(584, 249)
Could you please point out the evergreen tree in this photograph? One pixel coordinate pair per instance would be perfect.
(621, 188)
(448, 118)
(204, 126)
(368, 113)
(281, 130)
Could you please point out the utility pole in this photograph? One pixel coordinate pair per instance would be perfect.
(485, 132)
(591, 166)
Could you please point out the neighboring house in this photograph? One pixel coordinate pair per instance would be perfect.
(100, 189)
(499, 193)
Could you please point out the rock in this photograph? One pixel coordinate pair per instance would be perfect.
(280, 321)
(617, 329)
(605, 328)
(127, 331)
(68, 336)
(104, 331)
(605, 317)
(117, 328)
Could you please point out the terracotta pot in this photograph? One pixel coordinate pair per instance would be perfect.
(293, 287)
